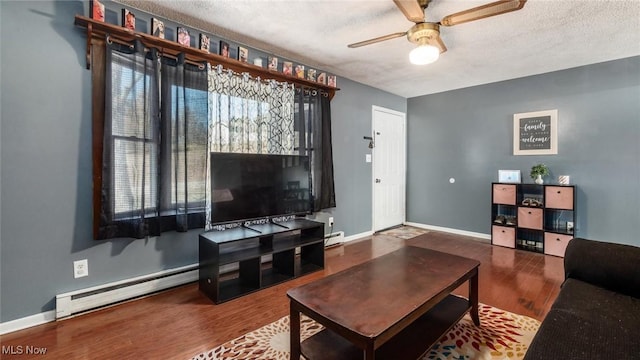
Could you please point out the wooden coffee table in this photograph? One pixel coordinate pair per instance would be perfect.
(392, 307)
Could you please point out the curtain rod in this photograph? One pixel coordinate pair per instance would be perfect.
(219, 68)
(112, 39)
(307, 89)
(99, 30)
(200, 65)
(312, 91)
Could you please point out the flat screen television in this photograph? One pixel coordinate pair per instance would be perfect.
(253, 186)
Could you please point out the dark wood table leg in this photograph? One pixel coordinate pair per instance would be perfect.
(294, 332)
(473, 298)
(369, 352)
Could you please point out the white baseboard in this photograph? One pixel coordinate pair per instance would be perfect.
(358, 236)
(27, 322)
(78, 301)
(450, 230)
(338, 238)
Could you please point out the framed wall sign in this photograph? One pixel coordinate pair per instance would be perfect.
(535, 133)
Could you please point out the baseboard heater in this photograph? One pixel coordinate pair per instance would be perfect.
(83, 300)
(335, 238)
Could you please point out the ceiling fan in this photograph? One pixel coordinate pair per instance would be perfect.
(427, 34)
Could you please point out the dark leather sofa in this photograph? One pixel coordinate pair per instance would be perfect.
(597, 313)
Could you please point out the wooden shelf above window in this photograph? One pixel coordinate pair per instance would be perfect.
(100, 30)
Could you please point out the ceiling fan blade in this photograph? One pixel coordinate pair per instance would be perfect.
(484, 11)
(377, 40)
(411, 10)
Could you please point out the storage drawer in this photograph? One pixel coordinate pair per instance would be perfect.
(530, 218)
(503, 236)
(559, 197)
(504, 194)
(556, 244)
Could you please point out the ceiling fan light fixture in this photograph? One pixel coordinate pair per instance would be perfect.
(424, 54)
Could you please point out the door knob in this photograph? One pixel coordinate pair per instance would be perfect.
(378, 180)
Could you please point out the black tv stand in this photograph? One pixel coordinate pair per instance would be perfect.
(252, 229)
(296, 248)
(278, 224)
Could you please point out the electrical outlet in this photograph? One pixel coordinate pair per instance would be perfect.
(331, 221)
(80, 268)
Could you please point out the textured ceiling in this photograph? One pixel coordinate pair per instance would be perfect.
(546, 35)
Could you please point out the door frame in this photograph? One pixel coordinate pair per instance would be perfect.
(374, 109)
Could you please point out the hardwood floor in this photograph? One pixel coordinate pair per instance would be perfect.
(182, 322)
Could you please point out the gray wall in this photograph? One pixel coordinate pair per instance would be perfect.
(46, 171)
(467, 134)
(351, 120)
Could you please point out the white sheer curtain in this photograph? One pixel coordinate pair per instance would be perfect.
(249, 115)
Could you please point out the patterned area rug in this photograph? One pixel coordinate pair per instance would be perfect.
(404, 232)
(502, 335)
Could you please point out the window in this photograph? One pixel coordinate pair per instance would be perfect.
(155, 145)
(134, 141)
(163, 117)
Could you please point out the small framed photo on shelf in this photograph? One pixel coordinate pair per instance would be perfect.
(509, 176)
(157, 28)
(322, 78)
(273, 63)
(224, 48)
(243, 54)
(97, 10)
(299, 71)
(311, 74)
(332, 81)
(184, 38)
(204, 42)
(287, 68)
(128, 19)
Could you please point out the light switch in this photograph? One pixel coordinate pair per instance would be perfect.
(367, 158)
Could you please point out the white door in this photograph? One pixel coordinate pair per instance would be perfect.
(389, 168)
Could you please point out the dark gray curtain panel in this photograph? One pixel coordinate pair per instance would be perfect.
(313, 126)
(154, 149)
